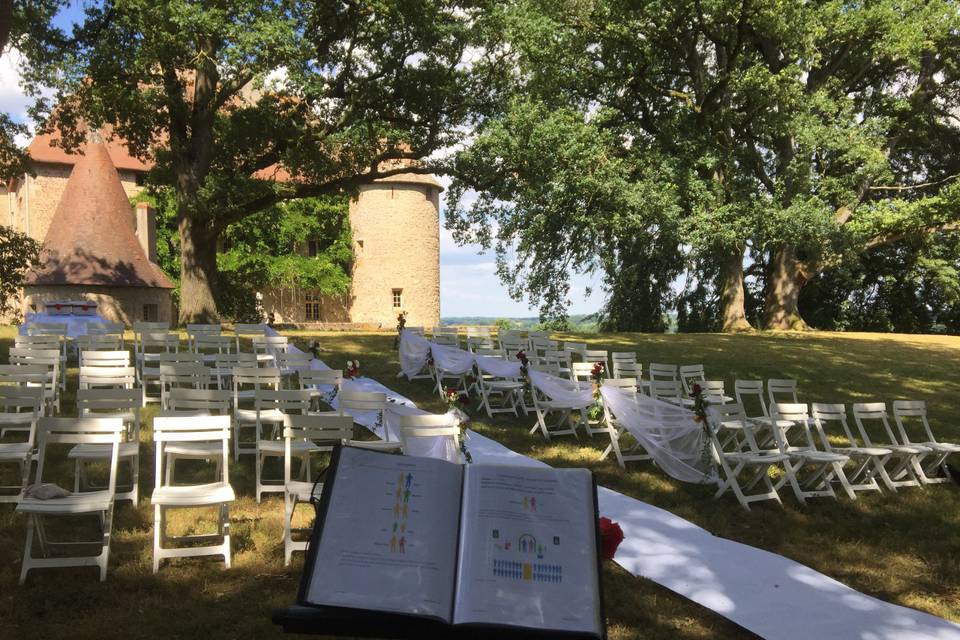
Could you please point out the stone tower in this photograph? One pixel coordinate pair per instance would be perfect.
(396, 242)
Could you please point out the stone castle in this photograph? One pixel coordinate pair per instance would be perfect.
(78, 204)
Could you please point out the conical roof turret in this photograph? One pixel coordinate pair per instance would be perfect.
(91, 240)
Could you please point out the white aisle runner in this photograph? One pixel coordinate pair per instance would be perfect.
(766, 593)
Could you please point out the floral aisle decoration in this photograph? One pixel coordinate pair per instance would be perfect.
(457, 407)
(597, 374)
(401, 324)
(611, 535)
(700, 408)
(352, 369)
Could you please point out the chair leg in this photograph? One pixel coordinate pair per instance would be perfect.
(27, 547)
(289, 506)
(157, 536)
(225, 524)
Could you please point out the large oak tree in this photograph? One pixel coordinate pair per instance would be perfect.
(247, 103)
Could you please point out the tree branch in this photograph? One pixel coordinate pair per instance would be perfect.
(891, 238)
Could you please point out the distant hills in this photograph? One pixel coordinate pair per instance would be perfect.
(581, 322)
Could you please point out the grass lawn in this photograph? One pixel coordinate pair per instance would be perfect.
(903, 547)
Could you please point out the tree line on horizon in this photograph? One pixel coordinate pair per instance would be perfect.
(789, 164)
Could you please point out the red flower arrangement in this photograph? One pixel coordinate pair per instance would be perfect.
(597, 372)
(454, 398)
(352, 370)
(611, 535)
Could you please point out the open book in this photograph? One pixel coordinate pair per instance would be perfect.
(419, 547)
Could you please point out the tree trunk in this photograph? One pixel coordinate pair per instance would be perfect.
(783, 292)
(733, 315)
(198, 271)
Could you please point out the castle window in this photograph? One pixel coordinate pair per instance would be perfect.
(398, 298)
(312, 308)
(140, 179)
(313, 248)
(151, 312)
(429, 193)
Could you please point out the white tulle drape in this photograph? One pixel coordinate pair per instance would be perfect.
(667, 432)
(414, 350)
(562, 391)
(451, 360)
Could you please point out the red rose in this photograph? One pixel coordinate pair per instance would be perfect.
(611, 535)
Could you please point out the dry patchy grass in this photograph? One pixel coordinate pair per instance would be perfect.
(900, 547)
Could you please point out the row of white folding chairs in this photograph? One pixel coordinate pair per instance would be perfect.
(302, 436)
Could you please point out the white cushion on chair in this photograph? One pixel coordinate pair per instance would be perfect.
(193, 495)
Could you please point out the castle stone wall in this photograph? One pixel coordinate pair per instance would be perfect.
(117, 304)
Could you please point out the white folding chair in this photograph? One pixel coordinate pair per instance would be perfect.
(576, 349)
(188, 375)
(782, 390)
(218, 494)
(414, 427)
(107, 378)
(225, 363)
(358, 403)
(292, 363)
(615, 430)
(543, 406)
(813, 469)
(195, 331)
(246, 383)
(476, 342)
(903, 465)
(98, 342)
(267, 348)
(668, 391)
(49, 358)
(107, 329)
(20, 409)
(304, 436)
(658, 372)
(151, 349)
(247, 332)
(868, 462)
(507, 391)
(49, 330)
(930, 472)
(71, 431)
(272, 407)
(447, 338)
(104, 358)
(562, 359)
(620, 358)
(691, 374)
(110, 403)
(23, 376)
(211, 346)
(598, 355)
(323, 384)
(751, 459)
(743, 390)
(183, 402)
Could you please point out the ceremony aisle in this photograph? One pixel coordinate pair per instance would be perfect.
(766, 593)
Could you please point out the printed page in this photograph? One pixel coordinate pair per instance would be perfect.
(528, 549)
(389, 540)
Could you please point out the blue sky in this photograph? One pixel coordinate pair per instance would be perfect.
(468, 282)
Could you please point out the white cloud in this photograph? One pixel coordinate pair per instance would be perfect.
(12, 99)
